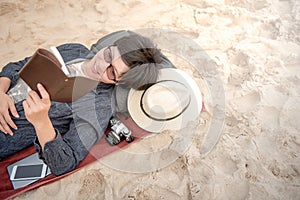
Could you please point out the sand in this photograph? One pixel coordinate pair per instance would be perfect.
(254, 46)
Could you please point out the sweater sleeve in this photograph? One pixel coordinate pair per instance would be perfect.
(12, 69)
(91, 115)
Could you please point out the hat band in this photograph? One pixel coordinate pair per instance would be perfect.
(161, 119)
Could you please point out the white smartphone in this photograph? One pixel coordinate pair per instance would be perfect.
(27, 172)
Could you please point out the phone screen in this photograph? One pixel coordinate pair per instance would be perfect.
(28, 171)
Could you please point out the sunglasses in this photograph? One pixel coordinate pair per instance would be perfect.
(110, 70)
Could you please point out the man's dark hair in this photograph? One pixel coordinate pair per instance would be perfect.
(143, 58)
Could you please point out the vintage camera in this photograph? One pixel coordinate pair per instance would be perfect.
(118, 133)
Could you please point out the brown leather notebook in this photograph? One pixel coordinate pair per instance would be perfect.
(43, 67)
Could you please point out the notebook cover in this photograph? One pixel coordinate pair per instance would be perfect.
(44, 68)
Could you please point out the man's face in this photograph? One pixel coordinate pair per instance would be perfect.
(106, 66)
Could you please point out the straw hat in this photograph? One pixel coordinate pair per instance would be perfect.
(169, 104)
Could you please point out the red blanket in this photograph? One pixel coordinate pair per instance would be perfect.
(100, 149)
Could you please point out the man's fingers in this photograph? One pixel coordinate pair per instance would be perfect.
(2, 129)
(1, 126)
(32, 98)
(4, 126)
(43, 91)
(25, 106)
(13, 109)
(9, 121)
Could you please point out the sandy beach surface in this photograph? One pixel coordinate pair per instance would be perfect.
(255, 49)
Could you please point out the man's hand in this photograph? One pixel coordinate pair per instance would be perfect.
(7, 106)
(36, 108)
(36, 111)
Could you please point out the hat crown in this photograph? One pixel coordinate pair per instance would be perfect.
(165, 100)
(151, 116)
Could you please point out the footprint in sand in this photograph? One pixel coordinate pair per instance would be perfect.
(6, 7)
(92, 186)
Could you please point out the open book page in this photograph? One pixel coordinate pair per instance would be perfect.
(56, 53)
(71, 69)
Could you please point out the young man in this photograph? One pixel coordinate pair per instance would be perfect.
(122, 57)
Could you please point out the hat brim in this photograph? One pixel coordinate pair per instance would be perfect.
(191, 113)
